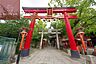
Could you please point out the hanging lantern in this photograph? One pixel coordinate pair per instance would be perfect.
(44, 20)
(48, 20)
(39, 19)
(54, 19)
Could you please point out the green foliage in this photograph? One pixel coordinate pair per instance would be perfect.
(11, 28)
(41, 25)
(58, 24)
(35, 37)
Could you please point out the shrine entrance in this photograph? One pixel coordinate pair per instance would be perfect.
(64, 11)
(52, 39)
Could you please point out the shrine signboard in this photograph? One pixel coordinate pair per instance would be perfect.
(9, 9)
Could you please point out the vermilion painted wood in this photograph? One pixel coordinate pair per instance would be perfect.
(29, 35)
(69, 32)
(44, 10)
(46, 17)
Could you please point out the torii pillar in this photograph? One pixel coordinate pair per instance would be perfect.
(74, 52)
(25, 51)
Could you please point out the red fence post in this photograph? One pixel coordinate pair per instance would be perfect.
(74, 52)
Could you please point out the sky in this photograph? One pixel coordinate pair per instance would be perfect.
(34, 3)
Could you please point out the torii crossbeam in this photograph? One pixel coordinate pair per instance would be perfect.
(50, 11)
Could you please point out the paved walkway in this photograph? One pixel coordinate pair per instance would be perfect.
(50, 56)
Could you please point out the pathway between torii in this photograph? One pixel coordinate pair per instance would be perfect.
(50, 56)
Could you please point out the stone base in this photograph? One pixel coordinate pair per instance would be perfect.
(75, 54)
(25, 52)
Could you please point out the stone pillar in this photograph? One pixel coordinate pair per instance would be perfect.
(58, 46)
(41, 39)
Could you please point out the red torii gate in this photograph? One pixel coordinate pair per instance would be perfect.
(50, 11)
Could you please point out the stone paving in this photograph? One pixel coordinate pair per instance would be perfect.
(50, 56)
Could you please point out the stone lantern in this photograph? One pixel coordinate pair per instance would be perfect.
(80, 34)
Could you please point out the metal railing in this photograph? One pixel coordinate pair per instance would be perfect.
(7, 49)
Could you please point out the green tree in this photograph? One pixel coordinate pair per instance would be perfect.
(11, 28)
(58, 24)
(41, 25)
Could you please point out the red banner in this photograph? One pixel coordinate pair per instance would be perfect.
(9, 9)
